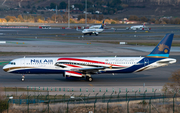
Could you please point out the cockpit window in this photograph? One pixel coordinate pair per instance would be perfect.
(12, 63)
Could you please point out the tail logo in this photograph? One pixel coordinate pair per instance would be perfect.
(163, 47)
(102, 25)
(165, 51)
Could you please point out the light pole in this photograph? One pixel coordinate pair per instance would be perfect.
(86, 12)
(56, 14)
(68, 13)
(56, 9)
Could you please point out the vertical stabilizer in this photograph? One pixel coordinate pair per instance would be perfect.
(162, 50)
(102, 26)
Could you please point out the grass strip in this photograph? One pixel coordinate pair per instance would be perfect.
(4, 63)
(138, 43)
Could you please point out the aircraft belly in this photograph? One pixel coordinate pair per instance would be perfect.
(37, 71)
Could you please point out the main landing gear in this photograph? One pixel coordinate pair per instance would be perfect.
(23, 78)
(89, 78)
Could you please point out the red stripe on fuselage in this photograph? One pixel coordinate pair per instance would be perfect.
(91, 61)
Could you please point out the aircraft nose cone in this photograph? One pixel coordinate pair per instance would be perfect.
(5, 68)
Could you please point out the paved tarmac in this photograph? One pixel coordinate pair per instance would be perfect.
(76, 47)
(59, 30)
(108, 34)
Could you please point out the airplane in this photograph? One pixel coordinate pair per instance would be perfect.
(96, 29)
(138, 27)
(84, 67)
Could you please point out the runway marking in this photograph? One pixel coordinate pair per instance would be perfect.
(91, 85)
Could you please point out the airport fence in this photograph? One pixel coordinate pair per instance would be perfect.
(42, 101)
(36, 90)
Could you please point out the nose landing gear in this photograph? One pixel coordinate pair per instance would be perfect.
(23, 78)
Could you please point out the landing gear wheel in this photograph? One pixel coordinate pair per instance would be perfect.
(90, 79)
(23, 78)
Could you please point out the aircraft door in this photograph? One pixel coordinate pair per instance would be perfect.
(22, 61)
(146, 61)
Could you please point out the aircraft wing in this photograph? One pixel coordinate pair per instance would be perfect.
(88, 69)
(92, 70)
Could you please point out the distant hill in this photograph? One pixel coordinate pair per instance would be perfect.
(153, 2)
(149, 8)
(15, 3)
(21, 3)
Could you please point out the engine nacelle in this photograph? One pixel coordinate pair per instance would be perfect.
(72, 74)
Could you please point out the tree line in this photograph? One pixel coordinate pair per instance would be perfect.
(163, 20)
(91, 19)
(53, 19)
(40, 19)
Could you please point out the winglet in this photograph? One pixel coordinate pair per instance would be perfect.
(162, 50)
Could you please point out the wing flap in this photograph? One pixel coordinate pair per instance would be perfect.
(88, 69)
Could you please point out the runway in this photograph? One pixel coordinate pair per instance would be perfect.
(154, 77)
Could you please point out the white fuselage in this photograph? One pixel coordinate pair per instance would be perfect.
(139, 27)
(92, 31)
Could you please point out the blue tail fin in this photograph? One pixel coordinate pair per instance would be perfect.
(162, 50)
(102, 26)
